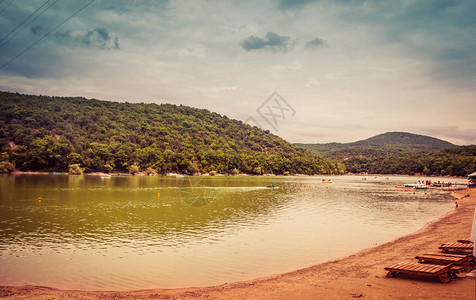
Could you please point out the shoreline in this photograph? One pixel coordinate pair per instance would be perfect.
(361, 273)
(18, 172)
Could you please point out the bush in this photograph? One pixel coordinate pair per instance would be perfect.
(6, 167)
(108, 168)
(133, 169)
(75, 169)
(257, 171)
(150, 171)
(212, 173)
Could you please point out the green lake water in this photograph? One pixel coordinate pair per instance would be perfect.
(138, 232)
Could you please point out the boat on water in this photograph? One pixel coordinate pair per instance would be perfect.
(421, 187)
(404, 186)
(412, 186)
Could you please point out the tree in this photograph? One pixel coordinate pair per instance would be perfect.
(257, 171)
(108, 168)
(6, 167)
(149, 171)
(75, 169)
(133, 169)
(426, 171)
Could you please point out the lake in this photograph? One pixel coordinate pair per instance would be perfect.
(139, 232)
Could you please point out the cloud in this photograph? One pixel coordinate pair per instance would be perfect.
(98, 38)
(37, 30)
(271, 42)
(316, 43)
(434, 32)
(192, 51)
(127, 6)
(294, 4)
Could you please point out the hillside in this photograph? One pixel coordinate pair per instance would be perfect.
(390, 142)
(459, 161)
(40, 133)
(405, 139)
(400, 153)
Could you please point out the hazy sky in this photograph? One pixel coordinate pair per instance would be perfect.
(344, 70)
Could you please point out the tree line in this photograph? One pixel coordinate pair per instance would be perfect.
(458, 161)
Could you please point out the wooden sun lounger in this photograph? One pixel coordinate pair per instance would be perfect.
(456, 247)
(465, 241)
(443, 272)
(463, 261)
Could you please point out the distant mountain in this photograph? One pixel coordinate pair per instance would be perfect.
(387, 142)
(405, 139)
(400, 153)
(41, 133)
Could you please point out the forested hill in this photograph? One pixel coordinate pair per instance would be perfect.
(389, 142)
(40, 133)
(400, 153)
(405, 139)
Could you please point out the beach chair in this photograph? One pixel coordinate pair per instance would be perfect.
(459, 262)
(442, 272)
(457, 247)
(465, 241)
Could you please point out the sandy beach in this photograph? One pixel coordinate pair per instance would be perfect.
(361, 275)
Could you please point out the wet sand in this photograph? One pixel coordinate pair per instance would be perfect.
(361, 275)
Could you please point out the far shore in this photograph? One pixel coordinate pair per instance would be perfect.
(361, 275)
(18, 172)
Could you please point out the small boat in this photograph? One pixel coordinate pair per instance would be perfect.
(272, 186)
(56, 173)
(421, 187)
(404, 186)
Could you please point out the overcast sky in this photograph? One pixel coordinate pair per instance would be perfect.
(343, 70)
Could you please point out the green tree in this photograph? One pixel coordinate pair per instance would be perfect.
(75, 169)
(134, 169)
(6, 167)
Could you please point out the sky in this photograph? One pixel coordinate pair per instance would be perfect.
(310, 71)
